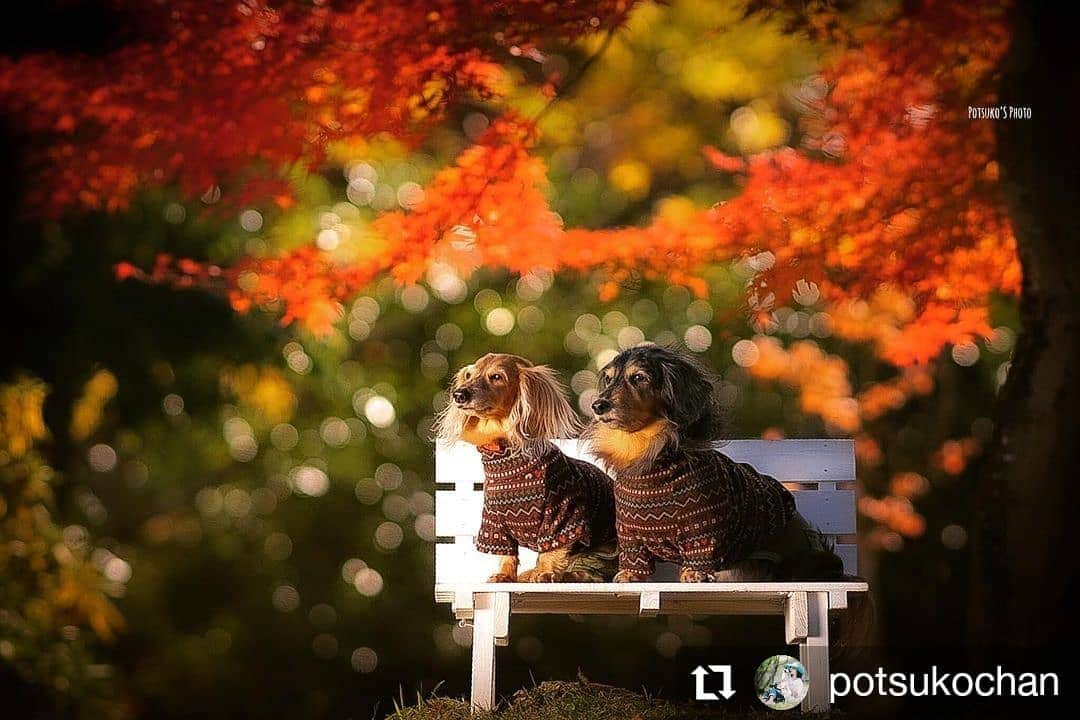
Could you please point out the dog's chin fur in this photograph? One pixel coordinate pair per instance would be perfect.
(630, 453)
(484, 431)
(489, 432)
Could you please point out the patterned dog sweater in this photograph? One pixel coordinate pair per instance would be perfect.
(699, 509)
(543, 502)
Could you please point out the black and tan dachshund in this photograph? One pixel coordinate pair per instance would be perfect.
(678, 499)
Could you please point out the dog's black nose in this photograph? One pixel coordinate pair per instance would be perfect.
(461, 396)
(601, 406)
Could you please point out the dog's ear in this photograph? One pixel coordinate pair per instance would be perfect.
(450, 422)
(689, 395)
(542, 411)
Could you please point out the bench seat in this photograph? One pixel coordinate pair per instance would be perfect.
(651, 598)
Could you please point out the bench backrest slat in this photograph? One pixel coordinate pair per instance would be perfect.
(457, 512)
(811, 468)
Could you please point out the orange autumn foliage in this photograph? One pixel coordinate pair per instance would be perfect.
(953, 455)
(894, 512)
(491, 192)
(891, 198)
(824, 389)
(887, 206)
(211, 95)
(470, 210)
(820, 378)
(882, 397)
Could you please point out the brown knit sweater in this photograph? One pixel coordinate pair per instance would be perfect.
(699, 509)
(543, 502)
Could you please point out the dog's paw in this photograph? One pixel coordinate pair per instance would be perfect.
(527, 575)
(625, 576)
(543, 577)
(687, 575)
(502, 578)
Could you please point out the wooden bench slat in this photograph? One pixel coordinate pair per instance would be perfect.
(457, 512)
(620, 598)
(636, 588)
(786, 460)
(458, 465)
(796, 460)
(831, 511)
(461, 563)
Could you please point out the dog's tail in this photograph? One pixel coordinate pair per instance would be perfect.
(854, 629)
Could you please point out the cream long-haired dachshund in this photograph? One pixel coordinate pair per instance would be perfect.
(534, 495)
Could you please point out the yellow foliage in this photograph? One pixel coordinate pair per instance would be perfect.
(676, 208)
(716, 78)
(668, 82)
(430, 97)
(78, 591)
(756, 127)
(21, 421)
(59, 588)
(342, 152)
(742, 58)
(668, 145)
(560, 126)
(87, 412)
(632, 177)
(264, 390)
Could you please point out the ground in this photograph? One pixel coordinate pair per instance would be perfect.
(584, 700)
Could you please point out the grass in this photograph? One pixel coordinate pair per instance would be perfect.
(584, 700)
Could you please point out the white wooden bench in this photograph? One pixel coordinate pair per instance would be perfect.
(821, 473)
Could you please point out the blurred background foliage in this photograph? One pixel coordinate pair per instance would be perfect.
(632, 130)
(204, 510)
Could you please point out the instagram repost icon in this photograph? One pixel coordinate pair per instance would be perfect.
(781, 682)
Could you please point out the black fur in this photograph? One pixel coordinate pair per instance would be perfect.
(689, 393)
(676, 388)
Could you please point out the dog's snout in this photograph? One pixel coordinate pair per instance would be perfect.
(601, 406)
(461, 396)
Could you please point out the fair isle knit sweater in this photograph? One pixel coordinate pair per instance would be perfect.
(699, 509)
(543, 502)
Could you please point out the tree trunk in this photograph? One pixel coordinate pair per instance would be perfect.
(1024, 575)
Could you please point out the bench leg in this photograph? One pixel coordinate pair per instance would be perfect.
(814, 652)
(491, 627)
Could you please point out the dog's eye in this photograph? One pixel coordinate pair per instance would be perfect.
(495, 377)
(638, 378)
